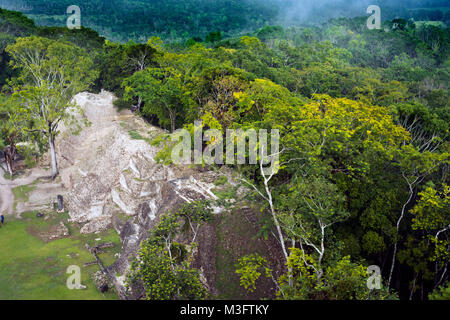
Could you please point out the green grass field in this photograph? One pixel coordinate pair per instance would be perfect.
(31, 268)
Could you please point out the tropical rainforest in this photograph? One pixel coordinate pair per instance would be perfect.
(363, 119)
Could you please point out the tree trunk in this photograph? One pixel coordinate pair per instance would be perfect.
(55, 171)
(277, 223)
(394, 255)
(172, 122)
(139, 104)
(9, 165)
(10, 153)
(413, 286)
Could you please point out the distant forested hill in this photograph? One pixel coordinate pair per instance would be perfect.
(171, 19)
(15, 24)
(174, 20)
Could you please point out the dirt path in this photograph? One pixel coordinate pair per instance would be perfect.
(6, 186)
(6, 196)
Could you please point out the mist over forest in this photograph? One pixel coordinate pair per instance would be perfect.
(123, 20)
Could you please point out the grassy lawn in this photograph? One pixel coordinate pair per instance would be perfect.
(31, 268)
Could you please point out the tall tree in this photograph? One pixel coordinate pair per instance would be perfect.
(163, 92)
(51, 74)
(8, 134)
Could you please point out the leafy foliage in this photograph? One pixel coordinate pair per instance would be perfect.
(51, 73)
(163, 265)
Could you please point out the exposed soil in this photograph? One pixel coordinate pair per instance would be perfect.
(233, 235)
